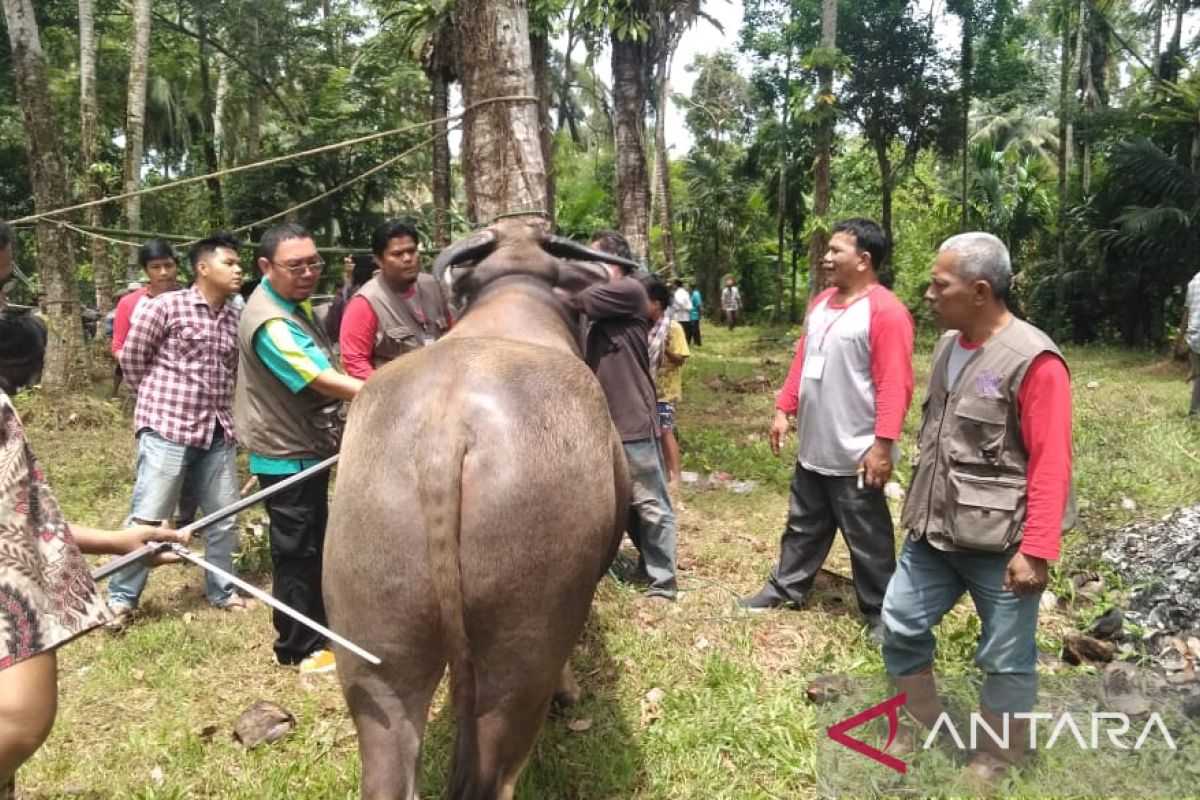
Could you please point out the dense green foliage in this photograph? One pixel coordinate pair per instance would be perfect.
(1081, 148)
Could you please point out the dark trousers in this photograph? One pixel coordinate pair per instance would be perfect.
(691, 330)
(298, 515)
(818, 506)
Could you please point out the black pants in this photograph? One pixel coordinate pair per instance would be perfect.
(818, 506)
(691, 330)
(298, 515)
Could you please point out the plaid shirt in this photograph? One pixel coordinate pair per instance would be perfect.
(181, 359)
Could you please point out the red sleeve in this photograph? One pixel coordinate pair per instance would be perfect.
(788, 399)
(122, 320)
(891, 363)
(1045, 408)
(357, 337)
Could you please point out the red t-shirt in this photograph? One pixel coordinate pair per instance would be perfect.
(124, 318)
(357, 336)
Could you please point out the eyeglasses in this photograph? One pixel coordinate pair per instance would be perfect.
(298, 268)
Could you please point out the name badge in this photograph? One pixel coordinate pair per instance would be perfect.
(814, 367)
(428, 339)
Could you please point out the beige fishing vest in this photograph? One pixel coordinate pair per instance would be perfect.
(968, 486)
(399, 330)
(271, 420)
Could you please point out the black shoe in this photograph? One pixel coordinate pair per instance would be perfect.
(765, 600)
(875, 629)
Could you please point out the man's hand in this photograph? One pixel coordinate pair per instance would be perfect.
(779, 430)
(1026, 575)
(877, 464)
(131, 539)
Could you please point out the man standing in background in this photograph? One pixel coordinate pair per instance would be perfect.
(693, 330)
(1191, 328)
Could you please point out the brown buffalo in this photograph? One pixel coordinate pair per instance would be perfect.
(480, 496)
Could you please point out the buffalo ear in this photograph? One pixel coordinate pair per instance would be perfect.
(575, 276)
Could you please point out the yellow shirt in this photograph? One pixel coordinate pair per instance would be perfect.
(668, 382)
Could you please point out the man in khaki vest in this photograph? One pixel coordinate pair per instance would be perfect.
(989, 497)
(288, 407)
(398, 311)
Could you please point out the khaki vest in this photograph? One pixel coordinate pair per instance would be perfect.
(399, 331)
(968, 486)
(271, 420)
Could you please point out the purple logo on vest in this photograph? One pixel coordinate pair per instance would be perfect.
(987, 384)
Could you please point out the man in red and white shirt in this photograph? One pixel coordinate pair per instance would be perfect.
(180, 358)
(849, 388)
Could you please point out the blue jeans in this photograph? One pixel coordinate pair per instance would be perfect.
(163, 468)
(928, 582)
(651, 516)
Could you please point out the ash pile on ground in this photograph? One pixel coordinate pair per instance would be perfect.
(1160, 562)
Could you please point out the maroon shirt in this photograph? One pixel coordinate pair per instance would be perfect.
(617, 350)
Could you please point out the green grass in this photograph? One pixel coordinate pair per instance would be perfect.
(136, 712)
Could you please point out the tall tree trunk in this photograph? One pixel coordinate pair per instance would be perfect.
(439, 109)
(254, 99)
(662, 170)
(102, 277)
(1170, 65)
(221, 104)
(48, 173)
(824, 143)
(1064, 132)
(887, 186)
(208, 113)
(777, 314)
(135, 121)
(965, 67)
(630, 72)
(539, 51)
(501, 152)
(565, 114)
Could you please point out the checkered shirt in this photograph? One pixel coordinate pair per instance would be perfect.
(181, 358)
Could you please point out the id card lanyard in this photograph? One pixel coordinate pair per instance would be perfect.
(814, 365)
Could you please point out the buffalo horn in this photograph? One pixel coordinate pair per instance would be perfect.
(471, 248)
(565, 248)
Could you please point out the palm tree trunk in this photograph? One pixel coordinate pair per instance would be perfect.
(254, 100)
(208, 113)
(777, 314)
(501, 152)
(135, 121)
(539, 51)
(629, 71)
(824, 143)
(102, 277)
(1064, 132)
(662, 170)
(439, 109)
(565, 115)
(222, 102)
(48, 174)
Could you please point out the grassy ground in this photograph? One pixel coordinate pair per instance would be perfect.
(690, 701)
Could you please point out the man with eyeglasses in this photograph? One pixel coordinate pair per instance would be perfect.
(289, 410)
(398, 311)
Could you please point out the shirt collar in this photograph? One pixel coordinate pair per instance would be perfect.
(290, 306)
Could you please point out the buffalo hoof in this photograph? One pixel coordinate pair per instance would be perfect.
(567, 693)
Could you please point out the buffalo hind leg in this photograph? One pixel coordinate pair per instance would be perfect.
(494, 742)
(390, 718)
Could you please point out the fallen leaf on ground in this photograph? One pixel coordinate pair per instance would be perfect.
(579, 725)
